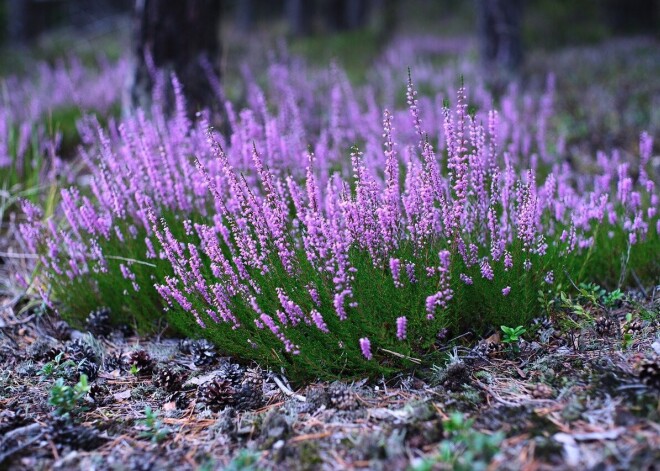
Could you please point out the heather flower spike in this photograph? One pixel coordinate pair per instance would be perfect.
(365, 346)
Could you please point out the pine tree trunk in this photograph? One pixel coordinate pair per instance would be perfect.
(500, 34)
(16, 12)
(299, 16)
(244, 15)
(175, 37)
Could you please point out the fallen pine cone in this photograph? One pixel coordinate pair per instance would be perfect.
(542, 391)
(141, 361)
(169, 378)
(217, 394)
(203, 353)
(649, 372)
(248, 398)
(98, 322)
(605, 327)
(341, 397)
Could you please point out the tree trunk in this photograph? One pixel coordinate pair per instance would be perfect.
(299, 15)
(175, 37)
(356, 13)
(343, 15)
(244, 15)
(499, 24)
(16, 11)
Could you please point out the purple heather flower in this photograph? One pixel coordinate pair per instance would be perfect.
(486, 270)
(549, 277)
(318, 320)
(410, 270)
(506, 291)
(395, 268)
(314, 294)
(401, 326)
(365, 346)
(466, 279)
(508, 261)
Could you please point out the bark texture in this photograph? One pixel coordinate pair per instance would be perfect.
(180, 37)
(500, 34)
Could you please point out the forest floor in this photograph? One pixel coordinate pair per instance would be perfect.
(582, 391)
(587, 398)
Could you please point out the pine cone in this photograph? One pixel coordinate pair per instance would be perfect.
(341, 396)
(98, 322)
(203, 353)
(488, 349)
(89, 369)
(11, 419)
(649, 372)
(542, 391)
(114, 362)
(39, 349)
(64, 433)
(52, 354)
(495, 348)
(633, 326)
(456, 374)
(169, 379)
(253, 377)
(98, 391)
(58, 329)
(142, 362)
(605, 327)
(248, 398)
(78, 351)
(233, 373)
(185, 345)
(180, 399)
(217, 394)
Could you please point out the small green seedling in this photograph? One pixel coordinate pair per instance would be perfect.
(57, 367)
(66, 399)
(512, 334)
(152, 427)
(613, 298)
(464, 448)
(628, 338)
(246, 460)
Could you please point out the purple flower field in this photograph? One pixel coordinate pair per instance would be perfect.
(330, 218)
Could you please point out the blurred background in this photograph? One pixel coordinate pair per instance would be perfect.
(603, 54)
(545, 24)
(350, 30)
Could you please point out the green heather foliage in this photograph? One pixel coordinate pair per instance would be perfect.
(38, 123)
(333, 262)
(25, 158)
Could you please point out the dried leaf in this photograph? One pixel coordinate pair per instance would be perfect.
(123, 395)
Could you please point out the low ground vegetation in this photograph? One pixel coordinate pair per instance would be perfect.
(415, 271)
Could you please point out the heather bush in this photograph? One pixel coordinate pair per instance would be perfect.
(28, 160)
(282, 243)
(38, 116)
(66, 84)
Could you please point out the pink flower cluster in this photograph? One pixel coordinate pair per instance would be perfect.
(277, 228)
